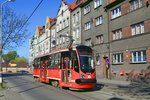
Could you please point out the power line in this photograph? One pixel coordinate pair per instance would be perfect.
(24, 22)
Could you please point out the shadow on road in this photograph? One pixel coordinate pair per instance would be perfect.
(115, 98)
(15, 74)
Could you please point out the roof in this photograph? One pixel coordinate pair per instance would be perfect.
(75, 4)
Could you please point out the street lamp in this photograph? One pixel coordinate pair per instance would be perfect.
(1, 30)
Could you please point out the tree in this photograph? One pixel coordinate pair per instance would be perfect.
(14, 29)
(19, 59)
(10, 56)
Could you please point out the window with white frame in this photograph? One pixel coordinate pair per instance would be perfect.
(64, 24)
(137, 28)
(118, 58)
(73, 19)
(88, 42)
(67, 35)
(57, 28)
(60, 26)
(63, 38)
(53, 33)
(87, 25)
(74, 35)
(67, 23)
(87, 9)
(99, 20)
(77, 33)
(57, 41)
(77, 17)
(47, 44)
(117, 34)
(97, 59)
(97, 3)
(135, 4)
(99, 39)
(116, 12)
(60, 40)
(139, 56)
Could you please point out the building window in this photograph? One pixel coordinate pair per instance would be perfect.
(97, 59)
(137, 28)
(63, 38)
(139, 56)
(117, 34)
(74, 35)
(99, 20)
(73, 19)
(60, 41)
(57, 41)
(67, 23)
(60, 26)
(99, 39)
(67, 38)
(87, 25)
(97, 3)
(116, 12)
(88, 42)
(77, 33)
(118, 58)
(87, 9)
(64, 24)
(135, 4)
(77, 17)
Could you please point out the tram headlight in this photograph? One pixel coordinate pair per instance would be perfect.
(82, 76)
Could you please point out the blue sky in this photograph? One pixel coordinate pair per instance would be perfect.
(47, 8)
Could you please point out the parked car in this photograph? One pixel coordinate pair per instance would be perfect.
(23, 72)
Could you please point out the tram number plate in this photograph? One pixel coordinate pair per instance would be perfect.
(89, 76)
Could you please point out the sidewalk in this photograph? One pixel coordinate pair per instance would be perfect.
(113, 82)
(8, 94)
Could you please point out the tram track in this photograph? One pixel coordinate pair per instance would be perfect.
(26, 84)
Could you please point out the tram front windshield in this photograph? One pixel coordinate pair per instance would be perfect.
(86, 59)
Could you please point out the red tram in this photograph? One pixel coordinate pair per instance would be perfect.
(71, 68)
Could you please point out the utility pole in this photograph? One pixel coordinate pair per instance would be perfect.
(1, 30)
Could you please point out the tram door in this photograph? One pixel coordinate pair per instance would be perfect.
(66, 71)
(43, 71)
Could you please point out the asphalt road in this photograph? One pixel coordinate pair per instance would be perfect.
(33, 90)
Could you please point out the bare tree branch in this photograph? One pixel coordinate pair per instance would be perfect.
(14, 29)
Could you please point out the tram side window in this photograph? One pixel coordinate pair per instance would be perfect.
(57, 60)
(52, 60)
(74, 56)
(35, 63)
(41, 64)
(49, 61)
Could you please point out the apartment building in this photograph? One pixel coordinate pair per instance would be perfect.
(95, 31)
(129, 32)
(40, 42)
(118, 30)
(63, 25)
(53, 35)
(76, 21)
